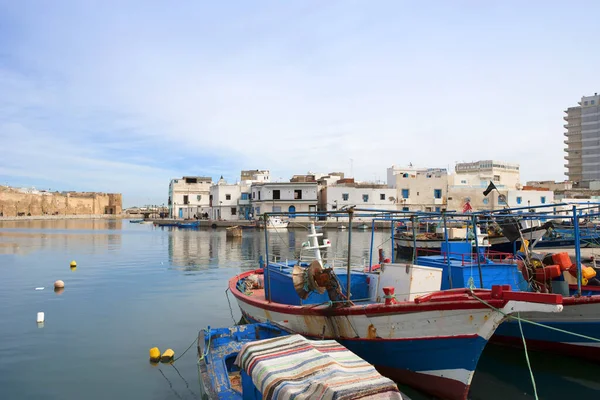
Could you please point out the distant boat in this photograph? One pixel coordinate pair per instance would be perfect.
(342, 227)
(277, 223)
(136, 221)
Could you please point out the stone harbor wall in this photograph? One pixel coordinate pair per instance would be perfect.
(15, 202)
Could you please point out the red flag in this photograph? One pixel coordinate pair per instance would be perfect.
(467, 207)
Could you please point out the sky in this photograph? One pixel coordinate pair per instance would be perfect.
(122, 96)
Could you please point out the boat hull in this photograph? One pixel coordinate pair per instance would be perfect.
(502, 244)
(415, 344)
(580, 316)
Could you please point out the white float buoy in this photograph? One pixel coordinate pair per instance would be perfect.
(40, 317)
(59, 284)
(39, 288)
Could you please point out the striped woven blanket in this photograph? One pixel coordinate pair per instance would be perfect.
(292, 367)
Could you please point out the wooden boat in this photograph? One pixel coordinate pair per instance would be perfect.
(580, 315)
(233, 232)
(423, 337)
(244, 362)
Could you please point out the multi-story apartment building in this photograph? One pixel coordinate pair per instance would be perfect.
(583, 141)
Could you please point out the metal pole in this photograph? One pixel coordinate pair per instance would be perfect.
(372, 240)
(447, 249)
(392, 240)
(350, 216)
(414, 232)
(267, 257)
(477, 250)
(577, 249)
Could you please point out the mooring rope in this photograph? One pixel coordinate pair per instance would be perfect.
(527, 358)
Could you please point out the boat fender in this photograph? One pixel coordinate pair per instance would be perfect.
(167, 356)
(154, 354)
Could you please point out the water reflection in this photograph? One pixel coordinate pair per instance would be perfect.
(196, 250)
(91, 236)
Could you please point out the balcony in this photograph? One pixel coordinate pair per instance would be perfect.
(243, 202)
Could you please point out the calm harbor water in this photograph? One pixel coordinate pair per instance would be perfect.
(137, 286)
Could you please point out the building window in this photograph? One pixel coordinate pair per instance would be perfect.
(257, 210)
(276, 208)
(585, 103)
(405, 193)
(186, 199)
(245, 196)
(297, 194)
(227, 197)
(198, 197)
(496, 178)
(543, 199)
(365, 198)
(593, 102)
(404, 208)
(519, 200)
(253, 195)
(345, 196)
(382, 196)
(437, 193)
(463, 182)
(232, 210)
(259, 195)
(427, 209)
(485, 201)
(405, 175)
(438, 209)
(276, 194)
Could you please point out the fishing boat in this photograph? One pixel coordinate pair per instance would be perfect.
(406, 241)
(244, 362)
(502, 240)
(566, 238)
(574, 332)
(422, 336)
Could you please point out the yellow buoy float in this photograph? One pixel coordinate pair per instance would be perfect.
(154, 354)
(167, 356)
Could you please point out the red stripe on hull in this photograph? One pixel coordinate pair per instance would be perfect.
(443, 388)
(453, 299)
(573, 350)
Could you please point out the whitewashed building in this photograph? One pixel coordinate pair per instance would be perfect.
(189, 196)
(293, 197)
(224, 199)
(360, 195)
(231, 202)
(470, 180)
(419, 189)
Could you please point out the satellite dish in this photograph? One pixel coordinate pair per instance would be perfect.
(305, 281)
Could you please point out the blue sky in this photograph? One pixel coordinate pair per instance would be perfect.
(122, 96)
